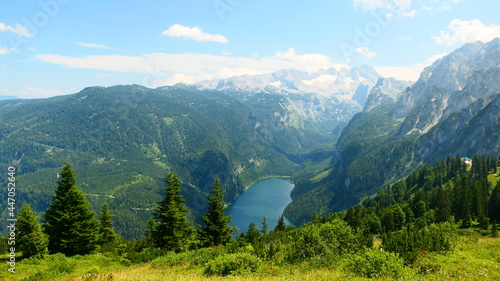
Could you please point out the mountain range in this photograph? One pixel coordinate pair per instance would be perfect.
(453, 109)
(340, 134)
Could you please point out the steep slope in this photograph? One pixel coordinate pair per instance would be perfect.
(451, 110)
(123, 140)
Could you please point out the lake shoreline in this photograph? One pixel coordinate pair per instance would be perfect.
(267, 197)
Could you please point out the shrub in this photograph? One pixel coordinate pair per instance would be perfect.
(410, 243)
(233, 264)
(61, 264)
(375, 263)
(329, 239)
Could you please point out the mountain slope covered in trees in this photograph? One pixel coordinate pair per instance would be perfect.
(451, 110)
(123, 140)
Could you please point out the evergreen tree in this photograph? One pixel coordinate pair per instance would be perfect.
(494, 204)
(149, 232)
(443, 205)
(265, 225)
(253, 233)
(494, 231)
(106, 232)
(69, 222)
(30, 238)
(280, 226)
(216, 230)
(173, 231)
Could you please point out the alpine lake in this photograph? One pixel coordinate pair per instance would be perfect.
(267, 197)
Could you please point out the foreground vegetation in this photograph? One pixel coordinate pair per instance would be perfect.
(474, 258)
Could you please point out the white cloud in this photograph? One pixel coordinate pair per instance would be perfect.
(461, 32)
(365, 52)
(4, 50)
(408, 73)
(166, 69)
(16, 29)
(194, 33)
(93, 45)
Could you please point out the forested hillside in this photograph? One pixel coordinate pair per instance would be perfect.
(123, 140)
(451, 110)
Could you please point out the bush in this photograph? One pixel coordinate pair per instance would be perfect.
(330, 239)
(62, 264)
(375, 263)
(410, 244)
(238, 263)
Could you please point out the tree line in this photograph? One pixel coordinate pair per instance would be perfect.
(70, 227)
(409, 210)
(448, 192)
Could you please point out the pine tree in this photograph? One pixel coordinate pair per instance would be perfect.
(216, 230)
(280, 226)
(253, 233)
(494, 204)
(149, 241)
(69, 222)
(265, 225)
(172, 231)
(30, 238)
(106, 232)
(443, 205)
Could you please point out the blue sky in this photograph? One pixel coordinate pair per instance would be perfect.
(55, 47)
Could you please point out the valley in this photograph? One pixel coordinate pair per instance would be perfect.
(123, 140)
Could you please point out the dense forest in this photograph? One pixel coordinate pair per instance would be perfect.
(399, 233)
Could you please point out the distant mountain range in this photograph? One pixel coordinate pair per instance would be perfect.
(325, 100)
(453, 109)
(8, 97)
(341, 134)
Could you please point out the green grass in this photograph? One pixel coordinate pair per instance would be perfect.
(494, 179)
(474, 258)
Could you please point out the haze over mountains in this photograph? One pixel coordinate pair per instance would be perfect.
(341, 134)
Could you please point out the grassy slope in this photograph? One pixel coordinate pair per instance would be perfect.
(473, 259)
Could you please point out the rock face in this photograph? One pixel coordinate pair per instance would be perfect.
(324, 100)
(451, 84)
(453, 109)
(386, 91)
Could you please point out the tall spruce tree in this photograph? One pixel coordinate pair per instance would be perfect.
(265, 225)
(494, 204)
(69, 222)
(30, 238)
(280, 226)
(172, 230)
(216, 230)
(106, 232)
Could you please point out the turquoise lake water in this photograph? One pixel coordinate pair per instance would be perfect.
(268, 197)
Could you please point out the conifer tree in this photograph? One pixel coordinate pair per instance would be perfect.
(443, 205)
(106, 232)
(494, 204)
(149, 232)
(30, 238)
(253, 233)
(69, 222)
(265, 225)
(280, 226)
(216, 230)
(172, 230)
